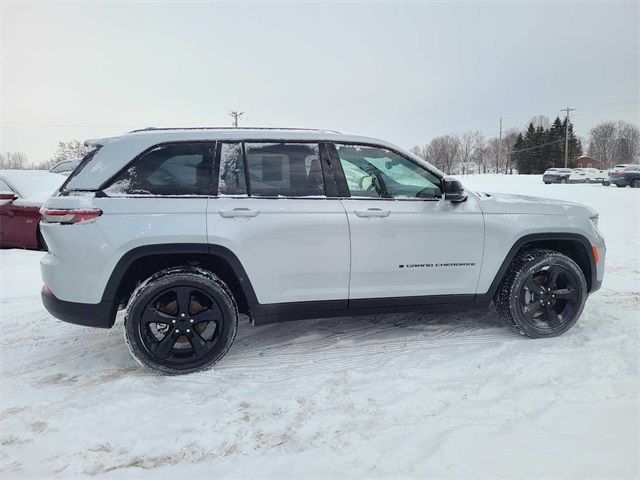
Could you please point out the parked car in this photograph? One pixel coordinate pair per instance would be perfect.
(615, 173)
(587, 175)
(22, 193)
(65, 167)
(556, 175)
(187, 228)
(629, 175)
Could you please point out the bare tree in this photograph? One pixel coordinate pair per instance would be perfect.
(443, 152)
(540, 121)
(603, 143)
(69, 150)
(467, 143)
(508, 141)
(481, 155)
(13, 161)
(628, 143)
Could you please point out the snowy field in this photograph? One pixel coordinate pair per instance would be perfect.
(384, 396)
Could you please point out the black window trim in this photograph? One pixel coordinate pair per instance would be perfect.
(211, 151)
(326, 174)
(343, 188)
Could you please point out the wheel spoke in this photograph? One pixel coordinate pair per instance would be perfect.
(183, 296)
(552, 276)
(552, 317)
(533, 286)
(530, 310)
(565, 294)
(151, 315)
(208, 315)
(164, 346)
(199, 345)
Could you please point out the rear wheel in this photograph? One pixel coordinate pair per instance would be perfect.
(542, 294)
(587, 180)
(563, 180)
(635, 183)
(181, 320)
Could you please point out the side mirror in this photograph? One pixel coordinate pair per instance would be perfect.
(8, 196)
(454, 191)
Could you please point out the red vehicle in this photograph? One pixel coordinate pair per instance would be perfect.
(22, 193)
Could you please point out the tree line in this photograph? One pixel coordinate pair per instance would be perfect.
(539, 146)
(64, 151)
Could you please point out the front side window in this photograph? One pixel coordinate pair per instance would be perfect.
(380, 173)
(177, 169)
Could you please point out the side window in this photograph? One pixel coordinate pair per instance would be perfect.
(284, 169)
(379, 173)
(177, 169)
(232, 179)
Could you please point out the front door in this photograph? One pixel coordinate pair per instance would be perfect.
(406, 240)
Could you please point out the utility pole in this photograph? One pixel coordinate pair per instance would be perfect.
(566, 135)
(500, 147)
(236, 116)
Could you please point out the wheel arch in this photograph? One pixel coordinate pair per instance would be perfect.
(142, 262)
(574, 245)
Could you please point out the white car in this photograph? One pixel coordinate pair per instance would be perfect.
(587, 175)
(185, 228)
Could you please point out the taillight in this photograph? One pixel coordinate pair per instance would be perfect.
(69, 216)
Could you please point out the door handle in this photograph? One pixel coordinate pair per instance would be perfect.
(238, 212)
(372, 212)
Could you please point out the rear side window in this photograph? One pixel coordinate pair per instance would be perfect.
(270, 170)
(177, 169)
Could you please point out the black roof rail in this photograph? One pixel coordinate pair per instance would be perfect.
(155, 129)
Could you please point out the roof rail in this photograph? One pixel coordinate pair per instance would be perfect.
(152, 129)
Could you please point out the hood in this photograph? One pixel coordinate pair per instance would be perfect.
(502, 203)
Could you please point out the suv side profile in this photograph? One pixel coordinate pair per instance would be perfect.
(187, 228)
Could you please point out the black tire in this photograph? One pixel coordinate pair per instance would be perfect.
(534, 309)
(547, 183)
(181, 320)
(606, 183)
(563, 180)
(586, 180)
(635, 183)
(620, 186)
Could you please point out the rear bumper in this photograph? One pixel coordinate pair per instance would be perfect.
(100, 315)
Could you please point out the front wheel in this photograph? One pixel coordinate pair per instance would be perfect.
(563, 180)
(181, 320)
(635, 183)
(606, 183)
(586, 180)
(542, 294)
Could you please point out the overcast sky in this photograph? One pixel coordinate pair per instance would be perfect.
(405, 72)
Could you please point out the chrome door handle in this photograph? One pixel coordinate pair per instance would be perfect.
(372, 212)
(238, 212)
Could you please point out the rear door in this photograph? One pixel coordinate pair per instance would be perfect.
(277, 214)
(406, 240)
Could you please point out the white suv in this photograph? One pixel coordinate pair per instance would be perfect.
(185, 228)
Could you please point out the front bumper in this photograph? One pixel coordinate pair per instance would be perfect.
(100, 315)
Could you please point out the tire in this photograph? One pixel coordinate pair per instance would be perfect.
(563, 180)
(181, 320)
(547, 183)
(606, 183)
(524, 305)
(620, 186)
(635, 183)
(587, 180)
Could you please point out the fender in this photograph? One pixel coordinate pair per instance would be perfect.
(110, 291)
(592, 282)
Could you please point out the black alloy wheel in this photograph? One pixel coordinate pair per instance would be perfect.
(549, 298)
(181, 320)
(542, 293)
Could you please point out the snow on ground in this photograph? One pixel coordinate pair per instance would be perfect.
(384, 396)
